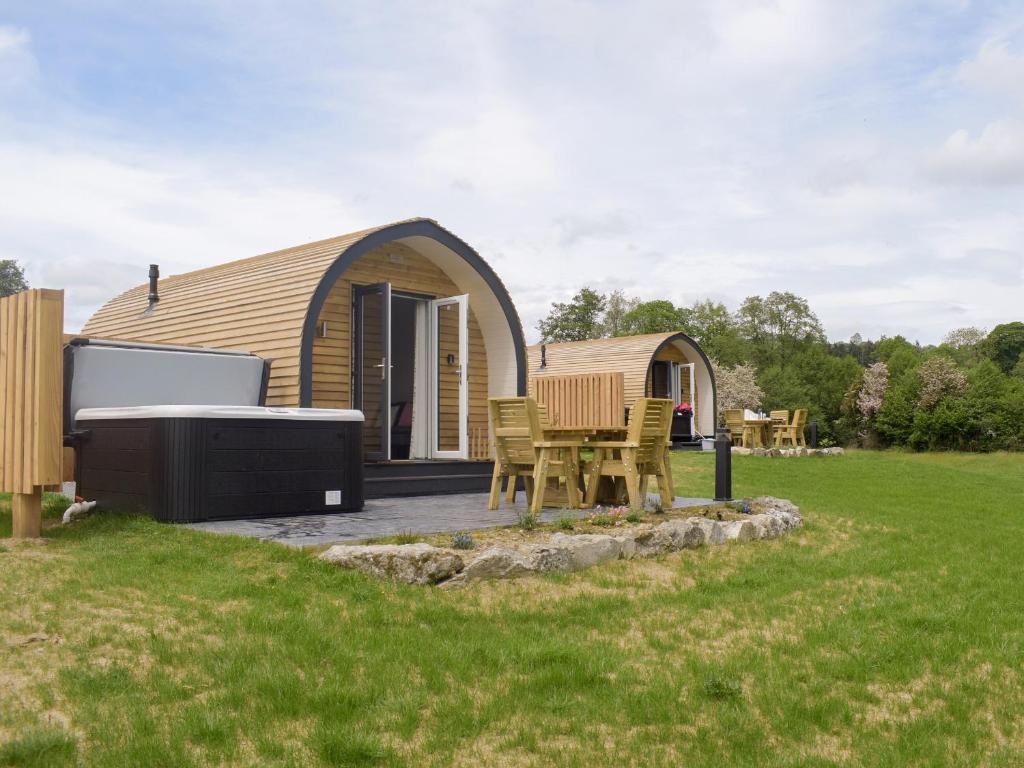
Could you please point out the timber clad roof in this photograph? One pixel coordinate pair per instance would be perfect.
(258, 304)
(630, 354)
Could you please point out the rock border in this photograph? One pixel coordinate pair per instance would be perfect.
(786, 452)
(426, 564)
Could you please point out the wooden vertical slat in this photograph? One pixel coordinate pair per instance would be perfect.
(587, 399)
(31, 393)
(5, 346)
(49, 388)
(19, 386)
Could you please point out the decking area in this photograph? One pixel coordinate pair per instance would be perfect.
(392, 516)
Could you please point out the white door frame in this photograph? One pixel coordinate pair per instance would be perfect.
(676, 388)
(463, 369)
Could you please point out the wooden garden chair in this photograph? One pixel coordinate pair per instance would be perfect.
(521, 451)
(739, 432)
(644, 452)
(793, 433)
(734, 423)
(780, 421)
(513, 480)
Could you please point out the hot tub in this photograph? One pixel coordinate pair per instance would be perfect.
(189, 463)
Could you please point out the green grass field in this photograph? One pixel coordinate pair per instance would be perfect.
(888, 632)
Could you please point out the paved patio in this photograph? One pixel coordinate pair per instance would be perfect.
(387, 517)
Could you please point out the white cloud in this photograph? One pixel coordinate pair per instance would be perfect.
(17, 62)
(995, 68)
(677, 150)
(90, 220)
(994, 157)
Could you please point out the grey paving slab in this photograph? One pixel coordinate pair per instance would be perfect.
(387, 517)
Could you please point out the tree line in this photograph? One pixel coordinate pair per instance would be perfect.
(966, 393)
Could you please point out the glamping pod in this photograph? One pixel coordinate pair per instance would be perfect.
(404, 322)
(670, 365)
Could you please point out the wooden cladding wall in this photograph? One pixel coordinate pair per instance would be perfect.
(582, 400)
(256, 304)
(31, 390)
(409, 272)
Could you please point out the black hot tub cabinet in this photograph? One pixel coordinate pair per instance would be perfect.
(189, 463)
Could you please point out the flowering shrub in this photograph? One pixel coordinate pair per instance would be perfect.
(608, 516)
(737, 387)
(872, 390)
(940, 378)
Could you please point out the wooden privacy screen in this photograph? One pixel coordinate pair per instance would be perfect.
(31, 392)
(581, 400)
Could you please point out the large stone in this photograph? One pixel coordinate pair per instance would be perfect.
(767, 526)
(499, 563)
(587, 549)
(739, 530)
(651, 541)
(411, 563)
(692, 532)
(627, 547)
(713, 533)
(545, 558)
(741, 451)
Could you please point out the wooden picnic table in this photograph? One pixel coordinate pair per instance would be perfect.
(760, 430)
(612, 489)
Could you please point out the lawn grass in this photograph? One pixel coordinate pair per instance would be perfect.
(887, 632)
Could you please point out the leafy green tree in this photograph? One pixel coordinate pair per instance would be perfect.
(659, 316)
(894, 421)
(1005, 344)
(712, 326)
(12, 278)
(862, 351)
(617, 306)
(1018, 369)
(899, 354)
(777, 326)
(576, 320)
(817, 381)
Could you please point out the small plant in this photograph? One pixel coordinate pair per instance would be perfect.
(721, 688)
(406, 537)
(566, 520)
(606, 518)
(527, 519)
(634, 516)
(744, 506)
(462, 540)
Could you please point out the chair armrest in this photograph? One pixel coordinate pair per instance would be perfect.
(613, 444)
(559, 444)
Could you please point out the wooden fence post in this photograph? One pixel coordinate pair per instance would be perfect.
(31, 402)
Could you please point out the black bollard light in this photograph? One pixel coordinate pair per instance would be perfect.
(813, 429)
(723, 466)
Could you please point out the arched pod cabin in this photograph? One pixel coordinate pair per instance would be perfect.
(670, 365)
(405, 322)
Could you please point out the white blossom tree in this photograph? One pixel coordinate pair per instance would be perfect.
(737, 387)
(940, 378)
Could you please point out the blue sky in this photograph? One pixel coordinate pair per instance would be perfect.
(869, 155)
